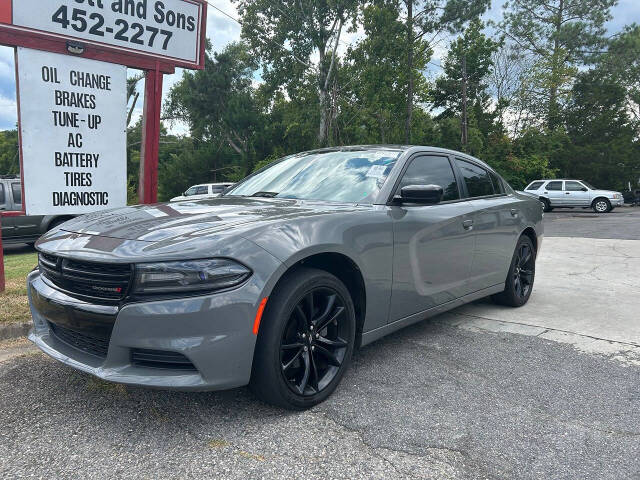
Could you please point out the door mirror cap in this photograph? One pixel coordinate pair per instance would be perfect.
(430, 194)
(584, 189)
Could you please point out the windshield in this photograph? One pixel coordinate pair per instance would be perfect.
(348, 176)
(588, 186)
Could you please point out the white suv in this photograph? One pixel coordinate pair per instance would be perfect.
(205, 190)
(573, 194)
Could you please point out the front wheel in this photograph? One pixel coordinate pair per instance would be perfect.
(546, 205)
(305, 342)
(602, 205)
(521, 275)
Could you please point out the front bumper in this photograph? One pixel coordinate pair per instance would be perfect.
(213, 332)
(616, 202)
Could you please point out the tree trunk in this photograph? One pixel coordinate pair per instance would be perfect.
(465, 121)
(407, 127)
(554, 110)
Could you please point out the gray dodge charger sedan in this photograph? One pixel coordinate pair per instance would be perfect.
(276, 282)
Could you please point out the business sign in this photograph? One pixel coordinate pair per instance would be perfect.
(167, 30)
(72, 116)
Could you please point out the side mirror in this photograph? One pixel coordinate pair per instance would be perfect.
(584, 189)
(430, 194)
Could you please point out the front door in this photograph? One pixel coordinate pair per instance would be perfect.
(576, 194)
(433, 244)
(24, 226)
(554, 192)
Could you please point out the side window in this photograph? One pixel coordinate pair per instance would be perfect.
(573, 186)
(3, 199)
(432, 171)
(498, 186)
(191, 191)
(476, 179)
(554, 186)
(202, 190)
(534, 186)
(17, 193)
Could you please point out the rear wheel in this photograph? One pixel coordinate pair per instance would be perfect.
(305, 341)
(601, 205)
(521, 275)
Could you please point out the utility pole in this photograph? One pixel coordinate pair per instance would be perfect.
(465, 122)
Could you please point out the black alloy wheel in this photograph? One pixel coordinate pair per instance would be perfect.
(306, 338)
(313, 345)
(519, 282)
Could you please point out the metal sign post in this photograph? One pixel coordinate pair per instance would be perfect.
(151, 35)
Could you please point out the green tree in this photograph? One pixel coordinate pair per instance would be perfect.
(218, 103)
(287, 35)
(9, 152)
(561, 35)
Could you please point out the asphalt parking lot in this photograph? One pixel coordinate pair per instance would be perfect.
(546, 391)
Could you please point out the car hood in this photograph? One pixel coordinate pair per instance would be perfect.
(188, 219)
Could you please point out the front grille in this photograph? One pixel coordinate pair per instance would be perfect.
(160, 359)
(91, 344)
(92, 280)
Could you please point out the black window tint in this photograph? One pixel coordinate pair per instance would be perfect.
(2, 198)
(573, 186)
(17, 193)
(554, 186)
(432, 171)
(498, 186)
(476, 179)
(534, 186)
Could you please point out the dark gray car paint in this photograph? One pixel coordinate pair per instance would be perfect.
(435, 264)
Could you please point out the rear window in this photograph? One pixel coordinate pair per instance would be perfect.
(476, 178)
(534, 186)
(17, 193)
(554, 186)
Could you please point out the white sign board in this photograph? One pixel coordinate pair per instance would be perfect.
(169, 29)
(73, 132)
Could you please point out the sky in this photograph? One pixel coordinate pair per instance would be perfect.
(222, 30)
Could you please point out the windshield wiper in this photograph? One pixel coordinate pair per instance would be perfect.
(265, 194)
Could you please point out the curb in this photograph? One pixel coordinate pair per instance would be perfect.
(14, 330)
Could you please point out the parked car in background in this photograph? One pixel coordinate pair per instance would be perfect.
(276, 282)
(24, 228)
(210, 190)
(562, 193)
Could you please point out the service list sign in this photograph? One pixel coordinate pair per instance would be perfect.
(73, 129)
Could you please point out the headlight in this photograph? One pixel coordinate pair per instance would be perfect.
(616, 195)
(189, 276)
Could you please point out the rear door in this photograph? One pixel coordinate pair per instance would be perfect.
(553, 190)
(576, 194)
(5, 205)
(433, 244)
(25, 226)
(497, 221)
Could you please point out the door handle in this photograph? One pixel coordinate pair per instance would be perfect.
(514, 212)
(468, 224)
(567, 193)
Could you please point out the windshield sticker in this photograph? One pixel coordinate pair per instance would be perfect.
(377, 171)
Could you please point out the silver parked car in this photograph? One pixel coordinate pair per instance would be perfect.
(24, 228)
(203, 191)
(276, 282)
(573, 194)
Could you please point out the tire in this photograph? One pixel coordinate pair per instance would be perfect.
(290, 347)
(546, 204)
(521, 276)
(601, 205)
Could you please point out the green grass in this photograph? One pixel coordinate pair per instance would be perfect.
(13, 302)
